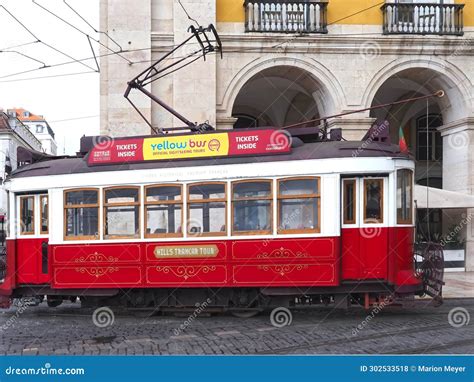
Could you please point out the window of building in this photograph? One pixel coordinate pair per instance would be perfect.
(27, 215)
(207, 209)
(26, 114)
(44, 218)
(164, 211)
(252, 207)
(298, 205)
(81, 214)
(349, 201)
(39, 129)
(429, 143)
(121, 212)
(373, 201)
(404, 196)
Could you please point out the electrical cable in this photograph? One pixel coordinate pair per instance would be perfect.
(51, 76)
(79, 30)
(187, 14)
(25, 55)
(38, 40)
(92, 27)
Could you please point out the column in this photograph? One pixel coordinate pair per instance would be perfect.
(129, 24)
(458, 161)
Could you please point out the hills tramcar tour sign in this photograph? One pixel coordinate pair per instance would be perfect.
(233, 143)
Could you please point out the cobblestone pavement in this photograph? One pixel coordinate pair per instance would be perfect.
(69, 329)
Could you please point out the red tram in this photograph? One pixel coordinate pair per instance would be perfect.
(247, 219)
(242, 219)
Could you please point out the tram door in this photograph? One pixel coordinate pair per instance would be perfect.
(32, 239)
(364, 232)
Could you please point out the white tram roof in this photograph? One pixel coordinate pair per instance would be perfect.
(306, 151)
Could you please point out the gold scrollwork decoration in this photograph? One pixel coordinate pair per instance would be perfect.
(96, 258)
(283, 270)
(280, 253)
(97, 271)
(186, 272)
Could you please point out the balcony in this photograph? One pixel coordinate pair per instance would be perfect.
(286, 16)
(423, 19)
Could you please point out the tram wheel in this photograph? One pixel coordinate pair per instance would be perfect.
(245, 313)
(54, 303)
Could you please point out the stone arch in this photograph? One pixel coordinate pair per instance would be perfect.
(331, 95)
(420, 120)
(443, 76)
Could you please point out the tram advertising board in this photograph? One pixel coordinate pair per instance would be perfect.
(222, 144)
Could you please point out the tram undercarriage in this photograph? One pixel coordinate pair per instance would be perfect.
(237, 300)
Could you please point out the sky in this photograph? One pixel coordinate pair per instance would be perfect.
(68, 101)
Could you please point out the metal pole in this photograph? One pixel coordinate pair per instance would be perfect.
(439, 93)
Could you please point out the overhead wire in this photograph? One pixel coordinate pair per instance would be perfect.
(92, 27)
(71, 62)
(20, 45)
(74, 119)
(187, 14)
(40, 41)
(25, 55)
(80, 31)
(51, 76)
(230, 50)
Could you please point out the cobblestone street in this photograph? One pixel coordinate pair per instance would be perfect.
(68, 329)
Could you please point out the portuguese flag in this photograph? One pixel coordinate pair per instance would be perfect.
(401, 141)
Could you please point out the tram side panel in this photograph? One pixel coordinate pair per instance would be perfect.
(401, 269)
(227, 263)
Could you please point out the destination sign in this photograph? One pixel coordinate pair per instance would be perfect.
(233, 143)
(186, 251)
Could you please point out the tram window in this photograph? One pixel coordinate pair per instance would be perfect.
(298, 205)
(404, 196)
(81, 214)
(27, 215)
(252, 207)
(207, 209)
(44, 214)
(121, 212)
(164, 211)
(373, 201)
(349, 200)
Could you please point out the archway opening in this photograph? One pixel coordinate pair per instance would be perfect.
(279, 96)
(419, 122)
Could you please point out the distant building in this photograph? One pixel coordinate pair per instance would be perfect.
(13, 135)
(39, 127)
